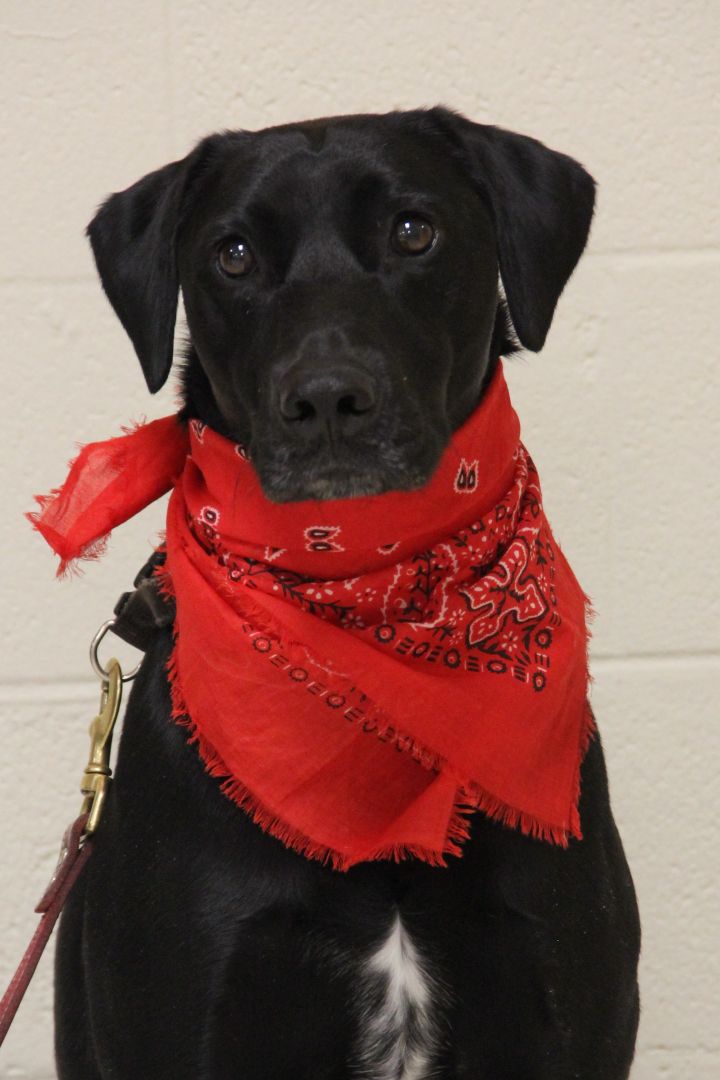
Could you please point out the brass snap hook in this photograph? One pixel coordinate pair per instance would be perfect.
(96, 777)
(97, 773)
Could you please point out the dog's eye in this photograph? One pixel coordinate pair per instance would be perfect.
(235, 257)
(413, 235)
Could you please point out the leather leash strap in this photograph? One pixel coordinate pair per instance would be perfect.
(74, 853)
(138, 617)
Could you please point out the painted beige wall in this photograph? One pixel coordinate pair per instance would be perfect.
(620, 411)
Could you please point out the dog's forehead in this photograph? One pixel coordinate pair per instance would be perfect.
(322, 154)
(387, 135)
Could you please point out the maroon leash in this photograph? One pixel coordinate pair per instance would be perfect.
(139, 614)
(77, 842)
(75, 852)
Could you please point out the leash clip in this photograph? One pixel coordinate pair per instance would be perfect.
(96, 777)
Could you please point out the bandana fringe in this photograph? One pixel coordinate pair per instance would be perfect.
(70, 566)
(44, 519)
(471, 797)
(530, 825)
(588, 729)
(239, 793)
(459, 825)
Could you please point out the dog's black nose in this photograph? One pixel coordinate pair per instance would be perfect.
(340, 402)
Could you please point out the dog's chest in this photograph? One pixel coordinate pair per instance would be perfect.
(397, 1010)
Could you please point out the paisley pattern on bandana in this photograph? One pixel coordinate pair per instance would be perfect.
(482, 599)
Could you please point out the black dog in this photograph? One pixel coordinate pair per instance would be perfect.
(340, 279)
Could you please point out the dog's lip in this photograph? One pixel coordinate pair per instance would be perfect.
(389, 452)
(338, 482)
(402, 462)
(327, 485)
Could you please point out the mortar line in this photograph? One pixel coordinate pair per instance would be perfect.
(678, 255)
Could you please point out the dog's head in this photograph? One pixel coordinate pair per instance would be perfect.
(340, 282)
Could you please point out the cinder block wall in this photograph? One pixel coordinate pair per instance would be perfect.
(620, 410)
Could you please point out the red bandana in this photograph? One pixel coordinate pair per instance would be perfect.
(361, 672)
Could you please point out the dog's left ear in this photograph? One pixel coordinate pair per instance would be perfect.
(542, 205)
(133, 238)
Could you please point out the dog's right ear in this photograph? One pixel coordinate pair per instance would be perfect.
(133, 239)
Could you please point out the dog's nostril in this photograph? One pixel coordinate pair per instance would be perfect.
(353, 404)
(293, 408)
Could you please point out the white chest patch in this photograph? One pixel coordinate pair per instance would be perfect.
(398, 1028)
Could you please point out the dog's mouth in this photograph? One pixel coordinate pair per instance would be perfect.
(341, 483)
(286, 476)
